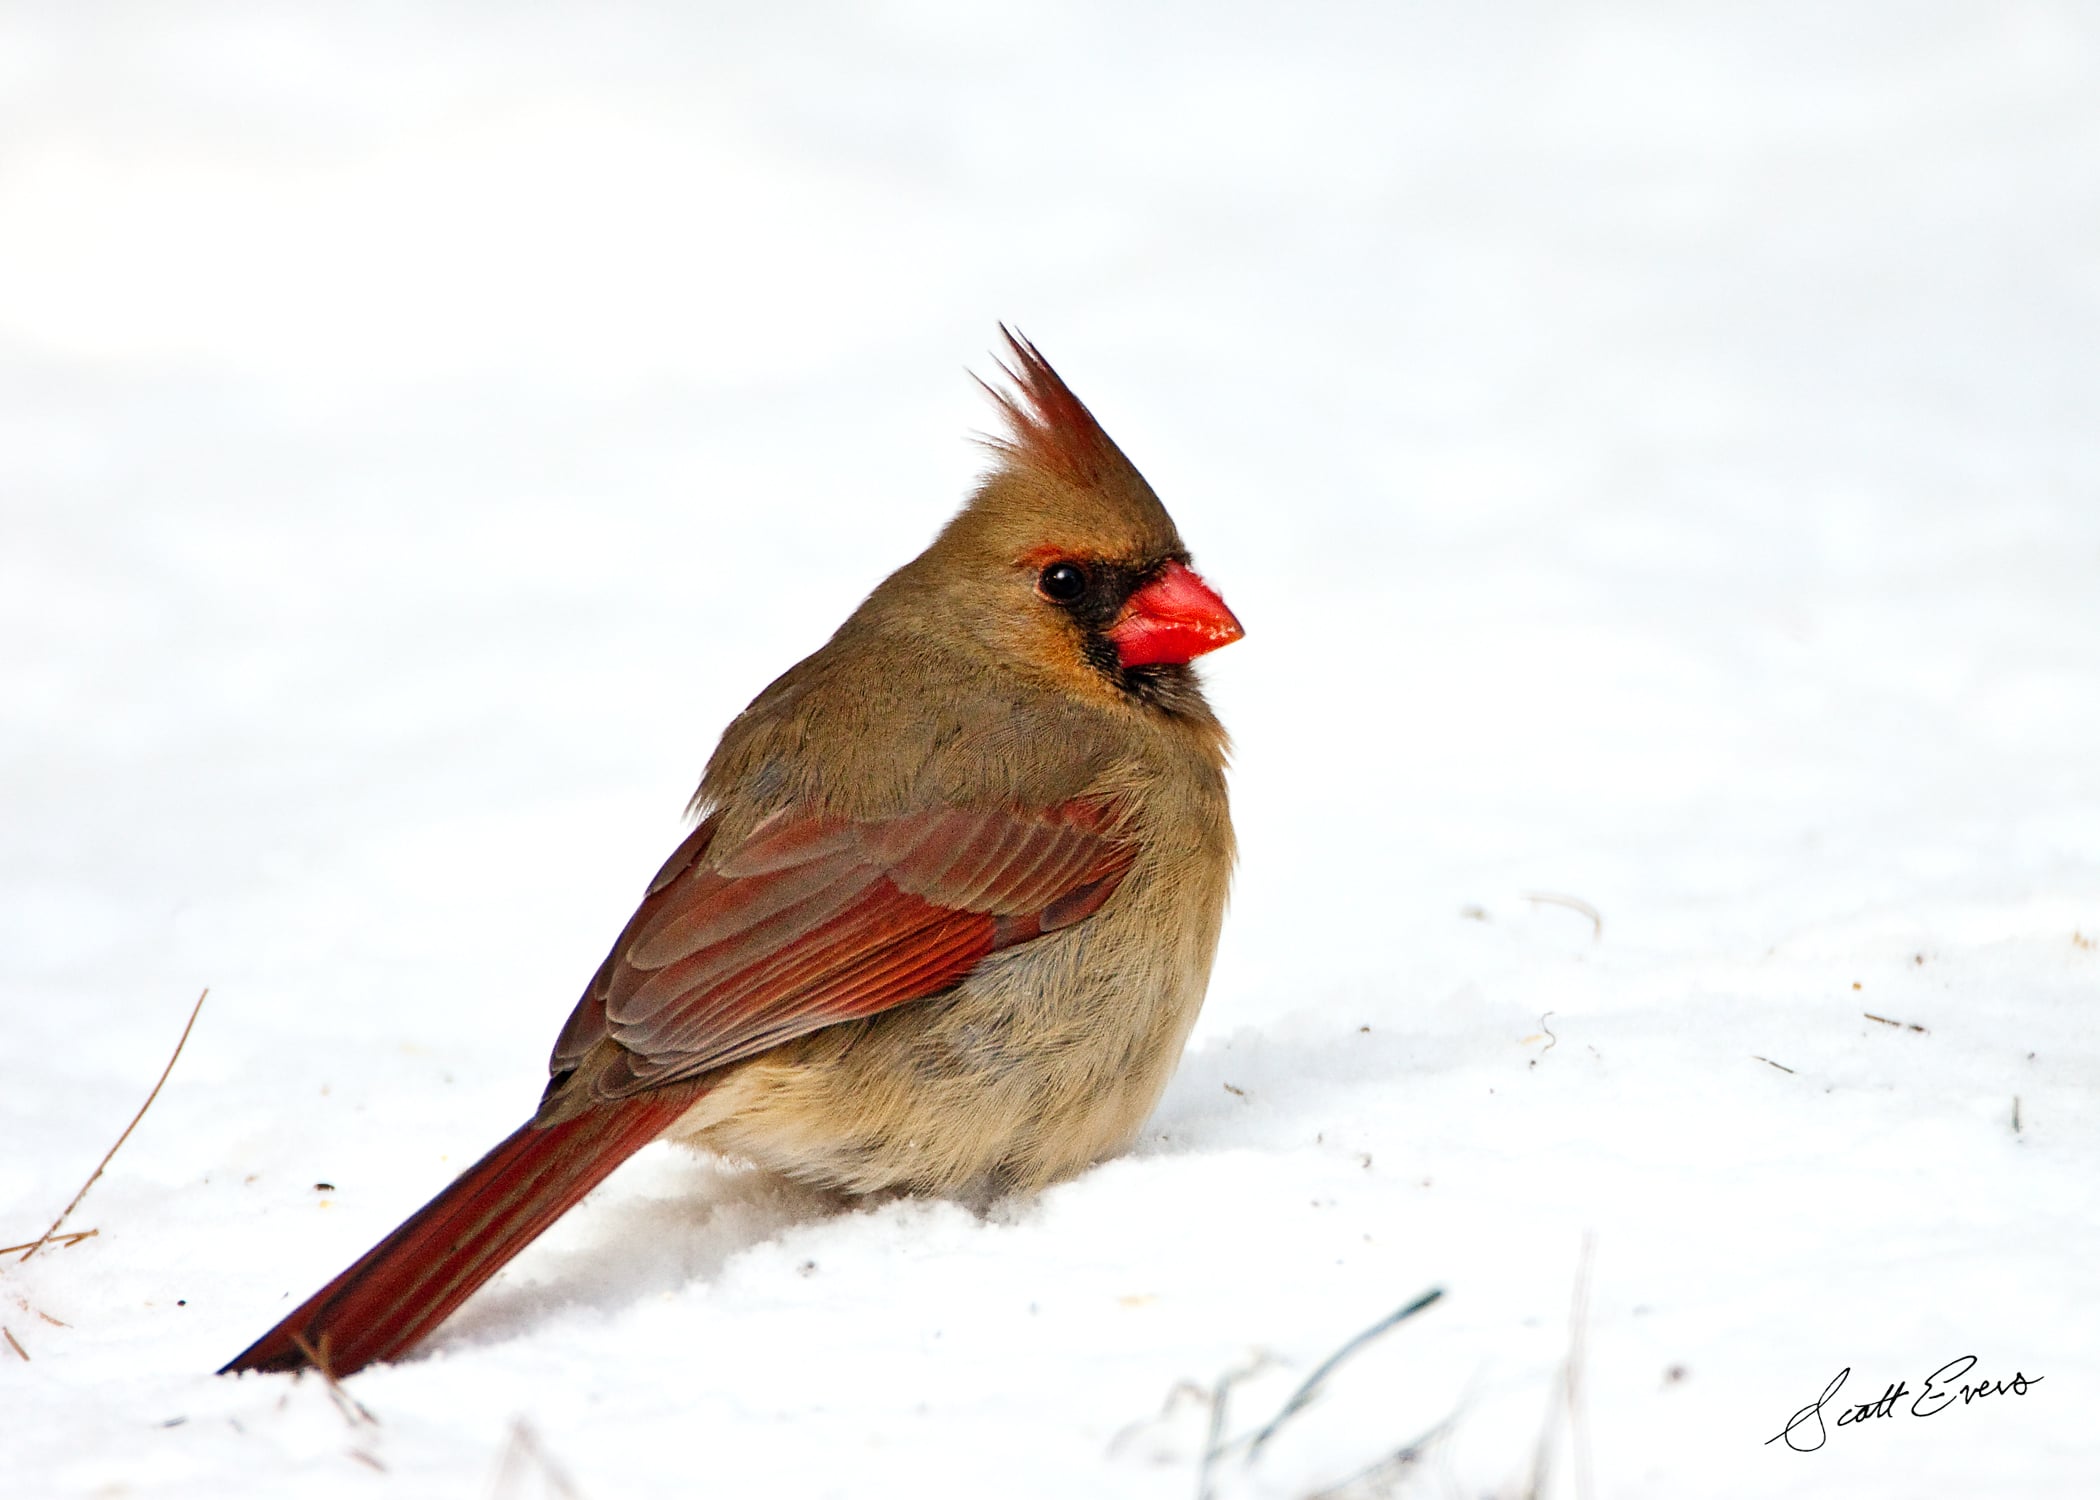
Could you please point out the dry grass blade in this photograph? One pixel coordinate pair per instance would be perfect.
(1574, 904)
(1568, 1392)
(40, 1315)
(45, 1238)
(1578, 1339)
(1381, 1477)
(524, 1447)
(1214, 1444)
(12, 1343)
(1304, 1394)
(354, 1411)
(53, 1239)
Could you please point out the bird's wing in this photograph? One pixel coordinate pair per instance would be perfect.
(809, 922)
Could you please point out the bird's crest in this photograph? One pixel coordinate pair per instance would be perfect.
(1049, 428)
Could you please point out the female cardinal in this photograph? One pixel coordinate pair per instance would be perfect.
(947, 914)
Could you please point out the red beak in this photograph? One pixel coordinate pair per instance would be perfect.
(1174, 618)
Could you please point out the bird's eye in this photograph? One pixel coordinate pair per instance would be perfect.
(1062, 582)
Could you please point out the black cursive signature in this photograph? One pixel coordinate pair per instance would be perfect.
(1805, 1433)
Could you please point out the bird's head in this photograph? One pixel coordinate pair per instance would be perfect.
(1064, 562)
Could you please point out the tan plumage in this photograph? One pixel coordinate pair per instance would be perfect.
(950, 909)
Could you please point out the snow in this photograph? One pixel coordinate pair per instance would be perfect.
(1650, 447)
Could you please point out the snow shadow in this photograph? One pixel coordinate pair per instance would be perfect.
(696, 1216)
(1238, 1090)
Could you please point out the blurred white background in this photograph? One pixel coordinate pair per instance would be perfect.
(1651, 449)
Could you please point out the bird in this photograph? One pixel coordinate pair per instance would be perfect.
(946, 914)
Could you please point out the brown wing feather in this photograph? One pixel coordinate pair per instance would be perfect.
(809, 922)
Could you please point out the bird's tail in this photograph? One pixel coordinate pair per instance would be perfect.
(409, 1282)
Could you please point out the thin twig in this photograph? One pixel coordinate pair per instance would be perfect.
(1572, 903)
(1759, 1057)
(12, 1343)
(45, 1237)
(74, 1238)
(1304, 1394)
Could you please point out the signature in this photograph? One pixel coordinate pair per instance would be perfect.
(1805, 1431)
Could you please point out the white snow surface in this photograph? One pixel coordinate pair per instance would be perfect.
(1652, 449)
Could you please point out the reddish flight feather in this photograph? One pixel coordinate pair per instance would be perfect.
(811, 922)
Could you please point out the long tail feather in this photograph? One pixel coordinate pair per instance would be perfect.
(409, 1282)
